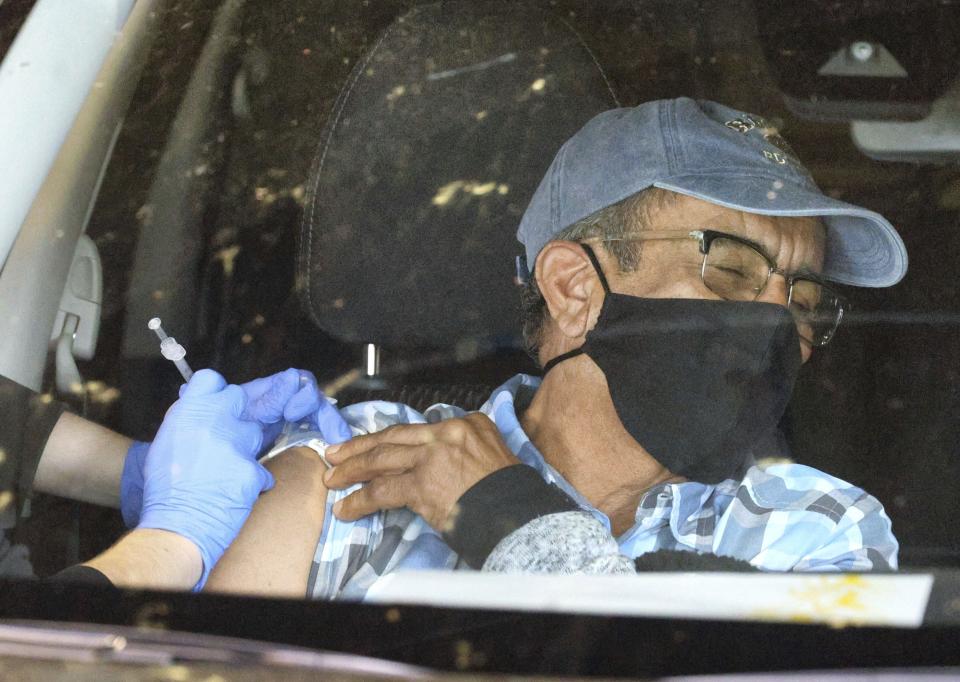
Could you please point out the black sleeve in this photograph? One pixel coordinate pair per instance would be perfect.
(26, 421)
(674, 560)
(81, 575)
(498, 505)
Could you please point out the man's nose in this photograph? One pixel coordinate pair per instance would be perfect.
(776, 291)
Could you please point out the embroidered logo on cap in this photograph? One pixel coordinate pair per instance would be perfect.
(784, 152)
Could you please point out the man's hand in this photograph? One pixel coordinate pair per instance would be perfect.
(200, 475)
(425, 467)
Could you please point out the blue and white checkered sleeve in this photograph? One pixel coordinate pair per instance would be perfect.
(791, 517)
(863, 540)
(343, 562)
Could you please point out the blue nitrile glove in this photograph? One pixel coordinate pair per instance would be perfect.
(293, 395)
(200, 476)
(329, 422)
(131, 483)
(289, 396)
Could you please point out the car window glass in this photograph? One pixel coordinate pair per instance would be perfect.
(218, 160)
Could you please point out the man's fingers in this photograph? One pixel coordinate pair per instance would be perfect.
(387, 459)
(401, 434)
(386, 492)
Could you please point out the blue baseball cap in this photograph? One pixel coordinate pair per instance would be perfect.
(714, 153)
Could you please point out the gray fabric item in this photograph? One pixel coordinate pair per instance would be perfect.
(14, 560)
(569, 542)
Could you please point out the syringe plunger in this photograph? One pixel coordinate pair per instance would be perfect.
(171, 350)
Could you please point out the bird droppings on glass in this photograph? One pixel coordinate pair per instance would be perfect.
(99, 392)
(395, 94)
(448, 192)
(766, 462)
(144, 214)
(299, 283)
(228, 257)
(451, 520)
(466, 657)
(177, 673)
(538, 85)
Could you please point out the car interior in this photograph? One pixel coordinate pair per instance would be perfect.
(336, 186)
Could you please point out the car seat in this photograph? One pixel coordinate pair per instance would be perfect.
(435, 145)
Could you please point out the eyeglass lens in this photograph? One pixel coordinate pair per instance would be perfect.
(738, 272)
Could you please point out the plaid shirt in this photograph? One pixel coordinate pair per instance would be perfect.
(779, 518)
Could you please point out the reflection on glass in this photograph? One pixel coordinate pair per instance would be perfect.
(298, 182)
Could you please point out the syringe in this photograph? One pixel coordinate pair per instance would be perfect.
(171, 350)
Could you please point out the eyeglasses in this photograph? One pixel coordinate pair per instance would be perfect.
(736, 269)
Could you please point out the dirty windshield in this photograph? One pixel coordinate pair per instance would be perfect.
(744, 371)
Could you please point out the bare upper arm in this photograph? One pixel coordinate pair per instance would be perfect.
(274, 551)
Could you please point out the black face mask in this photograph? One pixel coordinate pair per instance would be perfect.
(695, 382)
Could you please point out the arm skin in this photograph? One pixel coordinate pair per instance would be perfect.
(82, 461)
(274, 551)
(151, 559)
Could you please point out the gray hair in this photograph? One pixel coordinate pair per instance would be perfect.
(612, 222)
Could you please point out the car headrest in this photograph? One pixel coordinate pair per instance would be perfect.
(433, 149)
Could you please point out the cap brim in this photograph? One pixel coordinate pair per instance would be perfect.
(863, 248)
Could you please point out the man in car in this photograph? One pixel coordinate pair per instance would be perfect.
(211, 435)
(682, 264)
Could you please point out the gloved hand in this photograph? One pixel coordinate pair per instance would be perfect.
(201, 478)
(131, 483)
(291, 395)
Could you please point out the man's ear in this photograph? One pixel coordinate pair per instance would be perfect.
(569, 286)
